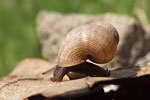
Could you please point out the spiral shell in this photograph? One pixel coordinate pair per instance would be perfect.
(96, 42)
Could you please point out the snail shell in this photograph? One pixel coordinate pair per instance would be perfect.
(96, 42)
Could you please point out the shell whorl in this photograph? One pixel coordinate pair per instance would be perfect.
(96, 42)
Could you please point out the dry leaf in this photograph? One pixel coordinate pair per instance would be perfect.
(143, 69)
(132, 88)
(26, 87)
(32, 66)
(27, 82)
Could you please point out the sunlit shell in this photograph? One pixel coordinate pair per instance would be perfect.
(96, 42)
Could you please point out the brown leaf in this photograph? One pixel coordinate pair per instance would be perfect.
(32, 66)
(17, 89)
(27, 82)
(25, 87)
(132, 88)
(143, 69)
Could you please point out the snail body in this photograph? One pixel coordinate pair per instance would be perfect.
(96, 42)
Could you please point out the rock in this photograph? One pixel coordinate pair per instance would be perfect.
(53, 27)
(144, 60)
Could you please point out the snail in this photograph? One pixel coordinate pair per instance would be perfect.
(96, 42)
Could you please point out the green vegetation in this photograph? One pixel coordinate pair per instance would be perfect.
(18, 38)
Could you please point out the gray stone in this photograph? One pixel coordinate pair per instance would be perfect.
(52, 27)
(144, 60)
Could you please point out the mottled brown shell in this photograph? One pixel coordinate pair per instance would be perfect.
(96, 42)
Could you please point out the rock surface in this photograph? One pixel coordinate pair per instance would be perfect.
(53, 27)
(144, 60)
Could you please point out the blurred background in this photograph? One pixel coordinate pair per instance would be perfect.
(18, 38)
